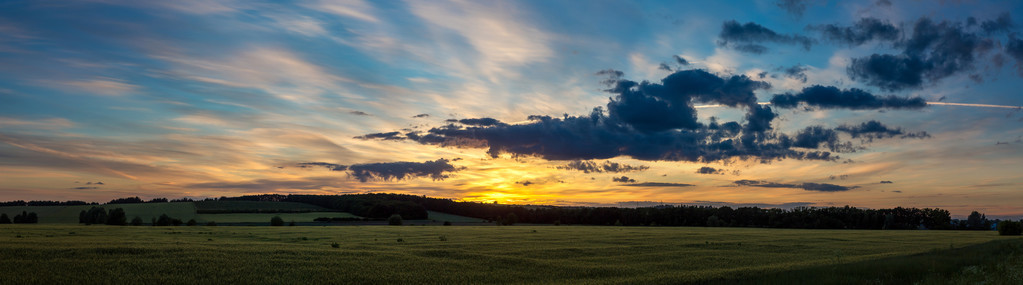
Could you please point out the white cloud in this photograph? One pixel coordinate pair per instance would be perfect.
(498, 36)
(99, 86)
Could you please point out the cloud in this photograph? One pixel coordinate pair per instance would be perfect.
(680, 60)
(886, 182)
(794, 7)
(359, 113)
(330, 166)
(421, 116)
(933, 51)
(1014, 47)
(623, 179)
(657, 122)
(746, 37)
(100, 86)
(821, 187)
(402, 170)
(710, 170)
(85, 188)
(797, 72)
(382, 136)
(1002, 24)
(658, 184)
(484, 122)
(816, 136)
(864, 30)
(871, 130)
(607, 166)
(830, 97)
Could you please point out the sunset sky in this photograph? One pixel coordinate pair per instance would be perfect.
(871, 104)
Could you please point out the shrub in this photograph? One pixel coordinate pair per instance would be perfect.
(291, 224)
(165, 220)
(335, 245)
(211, 223)
(447, 223)
(1010, 228)
(191, 222)
(136, 221)
(4, 219)
(276, 221)
(557, 222)
(394, 220)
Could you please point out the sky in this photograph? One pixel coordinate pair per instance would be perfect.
(873, 104)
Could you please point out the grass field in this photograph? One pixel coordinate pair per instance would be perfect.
(265, 217)
(254, 206)
(52, 254)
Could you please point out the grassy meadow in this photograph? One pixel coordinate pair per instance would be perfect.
(62, 254)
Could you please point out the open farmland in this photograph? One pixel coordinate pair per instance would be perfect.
(51, 254)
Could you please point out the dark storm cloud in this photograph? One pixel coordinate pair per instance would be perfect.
(657, 122)
(710, 170)
(485, 122)
(814, 137)
(830, 97)
(330, 166)
(623, 179)
(402, 170)
(864, 30)
(821, 187)
(664, 66)
(930, 53)
(871, 130)
(747, 37)
(607, 166)
(658, 184)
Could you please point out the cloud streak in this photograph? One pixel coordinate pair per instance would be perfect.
(818, 187)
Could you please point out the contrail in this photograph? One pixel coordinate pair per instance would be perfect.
(975, 105)
(928, 103)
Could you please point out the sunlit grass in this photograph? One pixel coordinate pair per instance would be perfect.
(53, 254)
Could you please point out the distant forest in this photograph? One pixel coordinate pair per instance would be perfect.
(415, 207)
(412, 207)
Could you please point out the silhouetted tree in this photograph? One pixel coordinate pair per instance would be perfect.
(394, 220)
(4, 219)
(510, 219)
(191, 222)
(137, 221)
(117, 217)
(276, 221)
(26, 218)
(977, 221)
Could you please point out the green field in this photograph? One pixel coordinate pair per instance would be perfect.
(53, 254)
(254, 206)
(265, 217)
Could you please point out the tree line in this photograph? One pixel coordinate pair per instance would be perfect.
(23, 218)
(382, 205)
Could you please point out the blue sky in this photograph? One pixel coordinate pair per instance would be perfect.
(212, 98)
